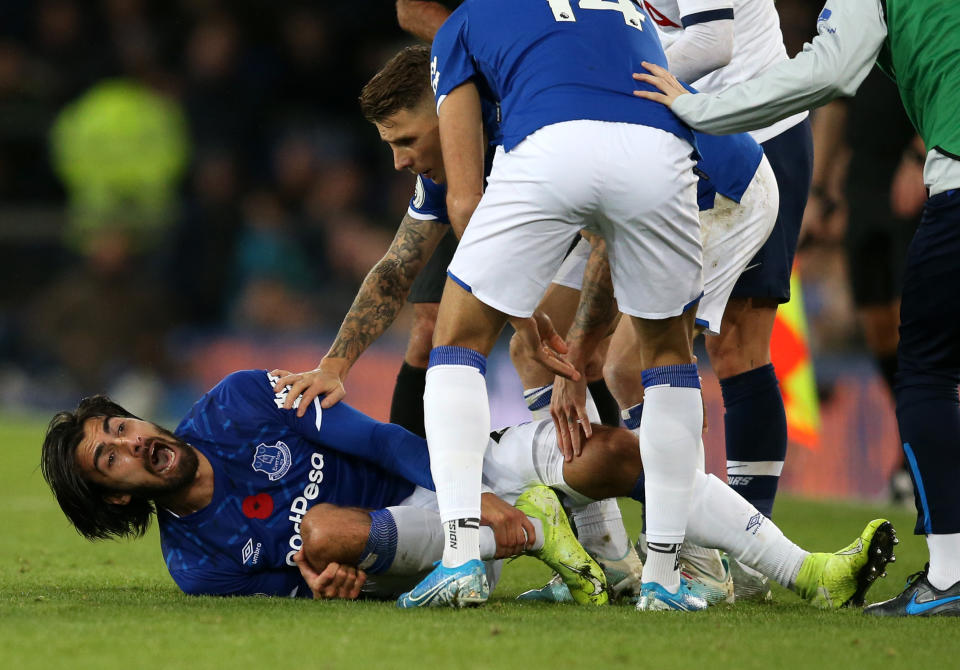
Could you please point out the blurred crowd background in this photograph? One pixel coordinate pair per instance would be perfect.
(187, 187)
(174, 170)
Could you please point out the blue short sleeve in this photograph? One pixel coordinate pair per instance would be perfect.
(429, 201)
(450, 61)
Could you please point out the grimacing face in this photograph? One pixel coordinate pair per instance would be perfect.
(414, 137)
(134, 457)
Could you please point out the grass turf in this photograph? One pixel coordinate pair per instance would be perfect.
(65, 602)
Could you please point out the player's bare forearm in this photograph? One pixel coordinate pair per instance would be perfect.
(462, 143)
(829, 140)
(597, 310)
(421, 18)
(385, 289)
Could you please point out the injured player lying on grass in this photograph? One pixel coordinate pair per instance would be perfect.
(252, 499)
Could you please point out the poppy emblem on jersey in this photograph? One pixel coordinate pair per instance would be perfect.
(258, 506)
(272, 460)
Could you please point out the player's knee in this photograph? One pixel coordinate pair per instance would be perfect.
(623, 445)
(616, 445)
(615, 452)
(735, 353)
(519, 354)
(421, 335)
(594, 369)
(619, 377)
(744, 340)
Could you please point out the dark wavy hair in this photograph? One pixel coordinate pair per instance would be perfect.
(83, 501)
(401, 84)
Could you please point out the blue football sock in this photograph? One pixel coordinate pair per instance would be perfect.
(631, 416)
(755, 424)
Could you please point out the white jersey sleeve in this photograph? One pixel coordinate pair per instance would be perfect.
(851, 33)
(693, 12)
(700, 49)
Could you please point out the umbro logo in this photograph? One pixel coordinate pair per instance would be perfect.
(249, 553)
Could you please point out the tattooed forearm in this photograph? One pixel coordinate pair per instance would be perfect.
(597, 309)
(385, 288)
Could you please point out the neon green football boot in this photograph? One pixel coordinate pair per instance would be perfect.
(831, 581)
(561, 550)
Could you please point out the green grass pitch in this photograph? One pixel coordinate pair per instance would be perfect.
(67, 603)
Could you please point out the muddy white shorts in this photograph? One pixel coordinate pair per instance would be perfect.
(731, 235)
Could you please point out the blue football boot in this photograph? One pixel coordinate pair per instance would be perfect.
(462, 586)
(654, 597)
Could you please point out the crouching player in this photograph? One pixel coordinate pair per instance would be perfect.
(239, 505)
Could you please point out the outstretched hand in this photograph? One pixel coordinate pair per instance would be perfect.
(307, 386)
(538, 336)
(568, 407)
(662, 79)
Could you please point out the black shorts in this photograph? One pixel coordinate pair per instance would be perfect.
(876, 245)
(767, 275)
(428, 286)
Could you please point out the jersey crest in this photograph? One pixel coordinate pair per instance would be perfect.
(273, 461)
(419, 194)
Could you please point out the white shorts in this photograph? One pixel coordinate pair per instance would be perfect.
(632, 184)
(731, 233)
(525, 456)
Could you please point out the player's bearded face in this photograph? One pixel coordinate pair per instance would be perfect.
(132, 456)
(171, 459)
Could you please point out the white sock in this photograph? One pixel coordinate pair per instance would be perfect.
(488, 541)
(461, 541)
(538, 402)
(944, 560)
(669, 436)
(457, 422)
(600, 529)
(419, 540)
(721, 518)
(662, 566)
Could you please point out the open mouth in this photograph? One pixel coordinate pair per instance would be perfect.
(162, 458)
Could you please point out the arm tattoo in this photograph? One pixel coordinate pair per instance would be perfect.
(386, 286)
(597, 309)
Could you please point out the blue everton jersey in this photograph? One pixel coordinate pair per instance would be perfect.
(549, 61)
(429, 201)
(727, 165)
(270, 467)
